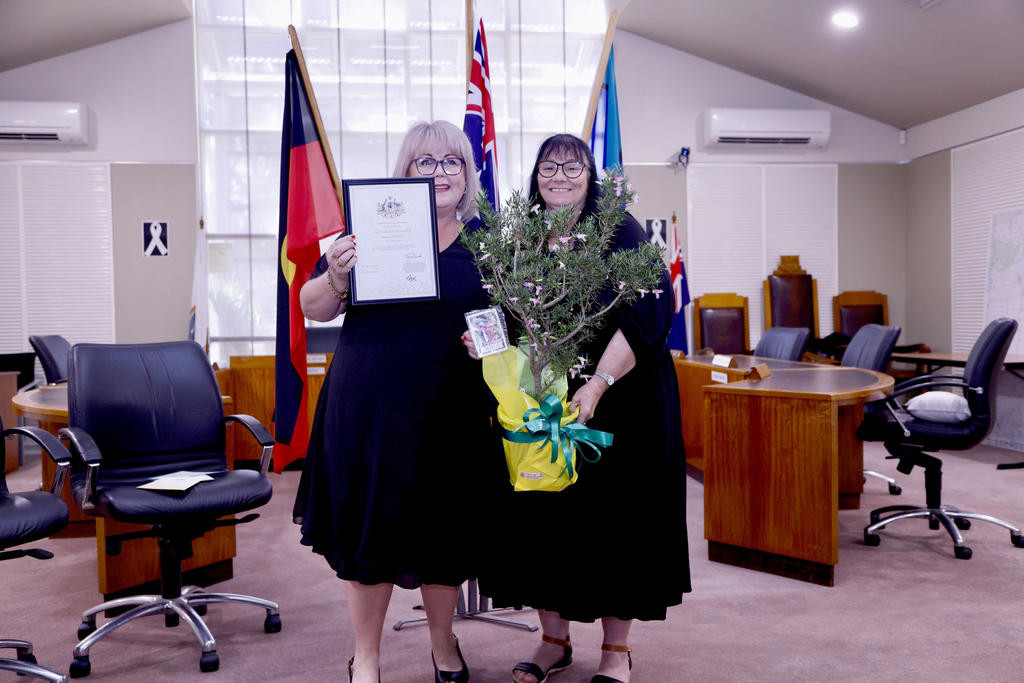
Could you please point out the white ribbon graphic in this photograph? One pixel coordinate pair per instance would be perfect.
(155, 241)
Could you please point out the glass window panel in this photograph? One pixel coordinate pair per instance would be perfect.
(230, 287)
(225, 183)
(267, 13)
(227, 12)
(265, 264)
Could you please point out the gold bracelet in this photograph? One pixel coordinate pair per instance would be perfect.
(343, 294)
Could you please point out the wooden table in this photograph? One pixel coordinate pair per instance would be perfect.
(774, 466)
(693, 373)
(927, 363)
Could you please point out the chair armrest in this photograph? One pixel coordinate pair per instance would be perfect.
(52, 447)
(85, 450)
(261, 435)
(923, 380)
(906, 388)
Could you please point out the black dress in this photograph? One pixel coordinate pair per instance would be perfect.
(614, 543)
(401, 458)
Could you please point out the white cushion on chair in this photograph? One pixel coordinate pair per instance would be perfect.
(939, 406)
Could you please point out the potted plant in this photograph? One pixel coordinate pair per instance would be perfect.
(556, 279)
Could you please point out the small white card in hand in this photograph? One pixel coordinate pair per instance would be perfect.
(487, 327)
(176, 481)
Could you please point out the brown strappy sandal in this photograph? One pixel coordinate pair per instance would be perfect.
(607, 647)
(540, 674)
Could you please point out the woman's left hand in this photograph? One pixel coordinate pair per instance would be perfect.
(586, 398)
(467, 341)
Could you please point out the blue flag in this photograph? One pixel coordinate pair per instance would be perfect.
(605, 139)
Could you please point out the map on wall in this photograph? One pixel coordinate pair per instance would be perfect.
(1004, 292)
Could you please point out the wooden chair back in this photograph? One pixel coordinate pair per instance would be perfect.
(721, 322)
(853, 310)
(791, 297)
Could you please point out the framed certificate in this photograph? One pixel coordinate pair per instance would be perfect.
(394, 223)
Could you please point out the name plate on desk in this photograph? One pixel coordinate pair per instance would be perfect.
(722, 361)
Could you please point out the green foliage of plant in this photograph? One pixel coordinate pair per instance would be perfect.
(549, 273)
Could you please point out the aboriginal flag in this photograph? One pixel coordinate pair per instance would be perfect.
(309, 211)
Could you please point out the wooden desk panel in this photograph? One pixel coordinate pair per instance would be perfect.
(693, 373)
(779, 454)
(8, 388)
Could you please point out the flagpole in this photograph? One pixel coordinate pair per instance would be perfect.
(595, 92)
(317, 121)
(470, 28)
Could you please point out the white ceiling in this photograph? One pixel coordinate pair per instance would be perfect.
(903, 66)
(33, 30)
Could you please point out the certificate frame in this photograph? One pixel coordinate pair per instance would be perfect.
(394, 221)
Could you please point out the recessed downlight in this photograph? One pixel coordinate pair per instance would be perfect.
(844, 18)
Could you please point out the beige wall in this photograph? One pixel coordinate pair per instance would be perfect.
(928, 251)
(152, 295)
(661, 191)
(872, 210)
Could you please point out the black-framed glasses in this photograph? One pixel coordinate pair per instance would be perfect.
(450, 165)
(571, 169)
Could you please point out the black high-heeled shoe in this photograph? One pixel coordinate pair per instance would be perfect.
(460, 676)
(601, 678)
(540, 674)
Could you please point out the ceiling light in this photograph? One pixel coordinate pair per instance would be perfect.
(845, 19)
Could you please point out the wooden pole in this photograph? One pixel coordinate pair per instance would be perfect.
(595, 92)
(317, 121)
(470, 29)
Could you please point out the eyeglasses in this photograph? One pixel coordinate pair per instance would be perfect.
(571, 169)
(450, 165)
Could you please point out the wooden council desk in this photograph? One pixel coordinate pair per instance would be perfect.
(774, 463)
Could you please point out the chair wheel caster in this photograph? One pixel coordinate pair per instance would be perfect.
(171, 620)
(1017, 540)
(80, 667)
(872, 539)
(200, 610)
(894, 490)
(85, 628)
(27, 658)
(272, 624)
(961, 523)
(962, 552)
(209, 662)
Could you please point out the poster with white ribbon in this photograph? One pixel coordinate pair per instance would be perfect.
(154, 238)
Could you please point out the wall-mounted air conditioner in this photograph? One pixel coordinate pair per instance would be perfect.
(773, 127)
(62, 122)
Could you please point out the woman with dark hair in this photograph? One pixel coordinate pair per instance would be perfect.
(613, 545)
(387, 495)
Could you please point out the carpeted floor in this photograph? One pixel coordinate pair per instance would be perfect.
(907, 610)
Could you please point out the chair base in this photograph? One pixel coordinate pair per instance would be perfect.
(894, 488)
(25, 664)
(189, 606)
(951, 519)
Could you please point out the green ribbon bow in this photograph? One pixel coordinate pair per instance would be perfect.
(544, 424)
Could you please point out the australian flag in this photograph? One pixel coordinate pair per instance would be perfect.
(677, 272)
(479, 121)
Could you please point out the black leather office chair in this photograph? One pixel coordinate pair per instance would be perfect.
(910, 439)
(27, 517)
(870, 349)
(52, 350)
(137, 412)
(785, 343)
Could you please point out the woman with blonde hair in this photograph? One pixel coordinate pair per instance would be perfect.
(384, 479)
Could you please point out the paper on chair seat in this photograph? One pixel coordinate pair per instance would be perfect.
(176, 481)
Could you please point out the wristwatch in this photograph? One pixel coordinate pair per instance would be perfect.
(609, 380)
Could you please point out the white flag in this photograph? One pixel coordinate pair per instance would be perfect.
(199, 315)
